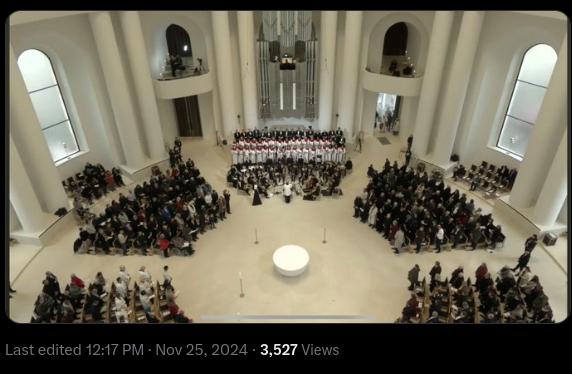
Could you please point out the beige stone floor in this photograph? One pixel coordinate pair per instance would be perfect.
(354, 274)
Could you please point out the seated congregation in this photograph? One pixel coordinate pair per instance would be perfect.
(511, 298)
(101, 302)
(487, 178)
(90, 185)
(164, 214)
(410, 208)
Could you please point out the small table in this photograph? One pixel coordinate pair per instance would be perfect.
(291, 260)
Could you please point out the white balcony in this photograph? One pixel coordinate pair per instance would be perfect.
(184, 86)
(401, 86)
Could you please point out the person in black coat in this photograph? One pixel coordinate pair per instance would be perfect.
(530, 243)
(256, 200)
(436, 269)
(522, 262)
(226, 195)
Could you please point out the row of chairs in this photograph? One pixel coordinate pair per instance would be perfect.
(491, 181)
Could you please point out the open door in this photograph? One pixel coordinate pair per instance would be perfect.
(188, 116)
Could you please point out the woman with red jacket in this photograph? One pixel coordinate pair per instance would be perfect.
(164, 245)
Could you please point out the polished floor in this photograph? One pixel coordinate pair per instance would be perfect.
(353, 277)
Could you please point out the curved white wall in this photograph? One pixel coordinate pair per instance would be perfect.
(504, 40)
(69, 43)
(392, 85)
(183, 87)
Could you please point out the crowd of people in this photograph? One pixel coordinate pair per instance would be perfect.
(409, 207)
(103, 301)
(509, 298)
(312, 180)
(260, 146)
(92, 184)
(167, 212)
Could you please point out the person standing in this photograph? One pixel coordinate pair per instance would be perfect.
(226, 195)
(439, 236)
(435, 270)
(287, 191)
(167, 278)
(522, 262)
(407, 157)
(122, 238)
(399, 239)
(256, 199)
(413, 277)
(530, 243)
(476, 237)
(480, 273)
(419, 237)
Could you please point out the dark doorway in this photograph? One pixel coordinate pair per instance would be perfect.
(395, 41)
(178, 41)
(188, 116)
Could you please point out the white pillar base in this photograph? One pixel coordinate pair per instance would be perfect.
(430, 165)
(143, 172)
(53, 229)
(524, 217)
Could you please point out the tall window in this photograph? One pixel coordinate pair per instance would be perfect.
(48, 103)
(527, 96)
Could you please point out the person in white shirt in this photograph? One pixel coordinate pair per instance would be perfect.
(124, 275)
(439, 238)
(342, 154)
(167, 278)
(305, 154)
(145, 300)
(252, 154)
(312, 154)
(234, 152)
(319, 154)
(144, 276)
(298, 153)
(287, 191)
(121, 311)
(121, 288)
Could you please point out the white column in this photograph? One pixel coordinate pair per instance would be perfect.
(116, 82)
(438, 46)
(545, 137)
(223, 63)
(26, 130)
(139, 66)
(555, 187)
(350, 73)
(456, 90)
(22, 195)
(248, 67)
(328, 30)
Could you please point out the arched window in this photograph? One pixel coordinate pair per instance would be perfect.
(527, 96)
(178, 41)
(395, 40)
(44, 91)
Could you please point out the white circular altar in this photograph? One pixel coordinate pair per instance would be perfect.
(291, 260)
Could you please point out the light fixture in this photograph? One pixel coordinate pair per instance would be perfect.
(185, 47)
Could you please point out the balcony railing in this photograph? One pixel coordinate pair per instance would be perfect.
(190, 71)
